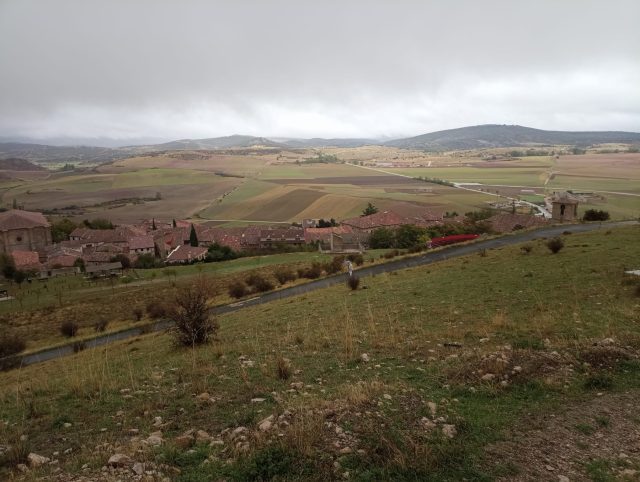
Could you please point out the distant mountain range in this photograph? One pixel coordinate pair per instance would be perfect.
(493, 135)
(474, 137)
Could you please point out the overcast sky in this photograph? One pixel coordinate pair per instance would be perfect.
(296, 68)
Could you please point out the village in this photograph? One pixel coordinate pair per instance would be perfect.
(27, 238)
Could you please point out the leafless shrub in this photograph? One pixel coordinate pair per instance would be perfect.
(238, 289)
(69, 329)
(353, 282)
(283, 275)
(194, 323)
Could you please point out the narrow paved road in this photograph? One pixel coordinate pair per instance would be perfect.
(400, 264)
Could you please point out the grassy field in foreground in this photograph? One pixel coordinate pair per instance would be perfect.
(38, 309)
(411, 378)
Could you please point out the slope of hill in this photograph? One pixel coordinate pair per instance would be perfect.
(42, 153)
(415, 378)
(320, 142)
(218, 143)
(17, 164)
(494, 135)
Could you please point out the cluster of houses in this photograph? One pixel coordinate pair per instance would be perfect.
(26, 236)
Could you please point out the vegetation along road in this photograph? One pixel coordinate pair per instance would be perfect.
(400, 264)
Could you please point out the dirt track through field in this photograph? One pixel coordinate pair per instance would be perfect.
(400, 264)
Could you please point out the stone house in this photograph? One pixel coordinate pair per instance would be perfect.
(24, 231)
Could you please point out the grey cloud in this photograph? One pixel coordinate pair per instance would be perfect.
(328, 68)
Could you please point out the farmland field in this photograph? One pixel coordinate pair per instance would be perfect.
(276, 185)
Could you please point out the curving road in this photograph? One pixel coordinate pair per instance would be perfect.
(399, 264)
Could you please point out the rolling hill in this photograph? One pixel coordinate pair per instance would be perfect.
(494, 135)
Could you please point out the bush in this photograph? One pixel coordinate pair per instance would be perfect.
(194, 323)
(312, 272)
(254, 279)
(263, 285)
(146, 261)
(284, 275)
(283, 368)
(238, 289)
(10, 345)
(69, 329)
(101, 326)
(137, 314)
(335, 265)
(353, 282)
(356, 259)
(555, 245)
(595, 215)
(156, 310)
(123, 259)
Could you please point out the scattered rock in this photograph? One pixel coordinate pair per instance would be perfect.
(266, 423)
(22, 468)
(157, 421)
(257, 400)
(185, 441)
(297, 385)
(204, 397)
(449, 430)
(433, 407)
(238, 431)
(364, 357)
(119, 460)
(563, 478)
(386, 396)
(346, 450)
(202, 436)
(487, 377)
(36, 460)
(155, 439)
(138, 468)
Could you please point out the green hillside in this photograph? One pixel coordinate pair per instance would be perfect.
(431, 373)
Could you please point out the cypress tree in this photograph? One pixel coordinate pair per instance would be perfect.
(193, 237)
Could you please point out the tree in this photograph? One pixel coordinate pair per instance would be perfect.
(145, 261)
(408, 236)
(194, 323)
(15, 203)
(595, 215)
(369, 210)
(99, 223)
(60, 230)
(193, 237)
(153, 224)
(124, 260)
(174, 224)
(381, 238)
(218, 252)
(7, 265)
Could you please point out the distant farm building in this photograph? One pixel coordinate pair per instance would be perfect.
(23, 231)
(564, 207)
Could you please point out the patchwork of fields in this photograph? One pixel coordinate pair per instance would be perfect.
(275, 185)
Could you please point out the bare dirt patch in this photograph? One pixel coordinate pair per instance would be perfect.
(587, 441)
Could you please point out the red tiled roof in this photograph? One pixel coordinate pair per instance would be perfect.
(26, 259)
(141, 242)
(186, 252)
(66, 261)
(17, 219)
(392, 219)
(312, 235)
